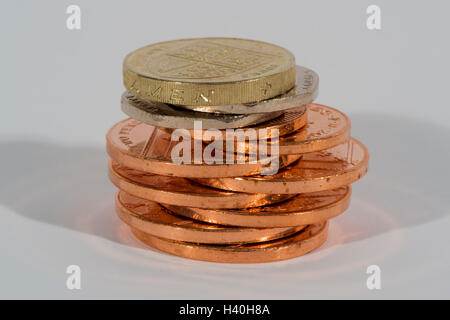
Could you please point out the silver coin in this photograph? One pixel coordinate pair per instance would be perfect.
(304, 92)
(169, 116)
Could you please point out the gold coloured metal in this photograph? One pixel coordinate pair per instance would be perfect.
(304, 92)
(209, 71)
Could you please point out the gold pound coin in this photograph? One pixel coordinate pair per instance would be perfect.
(150, 217)
(305, 91)
(209, 71)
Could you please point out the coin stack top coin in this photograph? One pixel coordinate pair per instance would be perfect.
(209, 71)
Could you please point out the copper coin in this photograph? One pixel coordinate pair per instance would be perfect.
(326, 127)
(303, 209)
(316, 171)
(181, 191)
(147, 148)
(300, 243)
(150, 217)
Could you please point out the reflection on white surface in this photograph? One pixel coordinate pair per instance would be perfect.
(58, 209)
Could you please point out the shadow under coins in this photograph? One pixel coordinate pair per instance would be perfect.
(63, 186)
(407, 182)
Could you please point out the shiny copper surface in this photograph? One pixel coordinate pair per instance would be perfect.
(316, 171)
(310, 238)
(150, 217)
(303, 209)
(325, 128)
(181, 191)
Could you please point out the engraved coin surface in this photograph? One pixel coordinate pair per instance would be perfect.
(168, 116)
(303, 209)
(139, 146)
(316, 171)
(305, 91)
(182, 191)
(150, 217)
(209, 71)
(325, 128)
(300, 243)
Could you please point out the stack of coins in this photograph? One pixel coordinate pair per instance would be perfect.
(225, 158)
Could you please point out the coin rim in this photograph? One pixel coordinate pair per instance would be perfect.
(221, 200)
(283, 102)
(285, 186)
(286, 147)
(243, 218)
(276, 250)
(185, 119)
(188, 233)
(168, 168)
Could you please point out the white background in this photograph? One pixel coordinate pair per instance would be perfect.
(60, 93)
